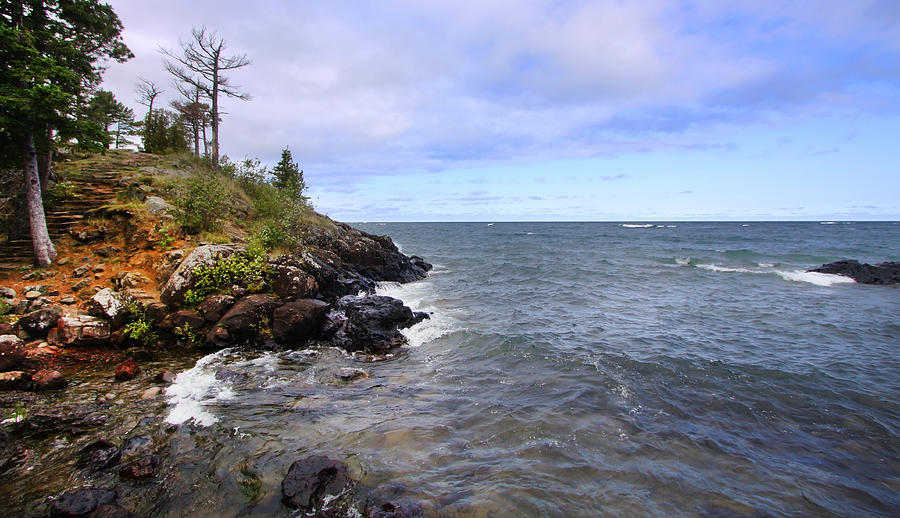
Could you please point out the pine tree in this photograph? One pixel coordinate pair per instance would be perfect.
(288, 176)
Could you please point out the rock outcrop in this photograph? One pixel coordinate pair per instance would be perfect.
(295, 322)
(863, 273)
(182, 278)
(371, 323)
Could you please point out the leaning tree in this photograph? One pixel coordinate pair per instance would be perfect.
(51, 52)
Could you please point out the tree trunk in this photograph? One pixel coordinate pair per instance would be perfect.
(214, 100)
(44, 165)
(205, 141)
(44, 251)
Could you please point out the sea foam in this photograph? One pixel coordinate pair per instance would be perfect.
(419, 296)
(197, 388)
(819, 279)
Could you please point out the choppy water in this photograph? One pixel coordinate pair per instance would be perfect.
(583, 369)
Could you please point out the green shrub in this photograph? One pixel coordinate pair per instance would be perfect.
(200, 202)
(58, 193)
(138, 327)
(247, 270)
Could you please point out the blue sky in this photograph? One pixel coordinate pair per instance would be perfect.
(558, 110)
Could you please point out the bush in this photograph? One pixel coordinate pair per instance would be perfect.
(247, 270)
(139, 327)
(199, 202)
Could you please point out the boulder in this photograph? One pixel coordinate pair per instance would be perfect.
(863, 273)
(248, 319)
(98, 455)
(127, 370)
(309, 481)
(46, 379)
(182, 318)
(215, 306)
(7, 293)
(12, 352)
(331, 276)
(182, 278)
(165, 377)
(81, 502)
(38, 323)
(109, 305)
(296, 321)
(157, 206)
(140, 468)
(77, 329)
(15, 380)
(292, 282)
(372, 323)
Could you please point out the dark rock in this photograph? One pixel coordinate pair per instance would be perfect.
(70, 419)
(12, 354)
(140, 468)
(372, 323)
(401, 509)
(81, 270)
(46, 379)
(232, 376)
(82, 284)
(291, 282)
(113, 511)
(107, 251)
(98, 455)
(215, 306)
(296, 321)
(15, 380)
(81, 502)
(331, 276)
(310, 480)
(247, 320)
(167, 377)
(127, 370)
(12, 451)
(38, 323)
(421, 263)
(863, 273)
(182, 318)
(73, 330)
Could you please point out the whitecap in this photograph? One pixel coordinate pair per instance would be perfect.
(682, 261)
(717, 268)
(197, 388)
(766, 265)
(819, 279)
(420, 296)
(635, 225)
(828, 223)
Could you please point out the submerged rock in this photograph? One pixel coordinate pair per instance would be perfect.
(98, 455)
(127, 370)
(863, 273)
(310, 480)
(46, 379)
(81, 502)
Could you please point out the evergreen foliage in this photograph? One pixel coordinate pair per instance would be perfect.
(288, 176)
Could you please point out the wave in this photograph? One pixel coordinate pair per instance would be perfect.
(819, 279)
(420, 296)
(635, 225)
(717, 268)
(197, 388)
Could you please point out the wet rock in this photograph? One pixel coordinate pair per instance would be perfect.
(127, 370)
(11, 451)
(167, 377)
(310, 480)
(401, 509)
(77, 329)
(12, 353)
(290, 281)
(348, 374)
(70, 419)
(15, 380)
(296, 321)
(113, 511)
(98, 455)
(248, 319)
(332, 277)
(214, 307)
(182, 318)
(134, 447)
(151, 393)
(81, 502)
(38, 323)
(182, 278)
(109, 305)
(46, 379)
(232, 376)
(863, 273)
(140, 468)
(372, 323)
(421, 263)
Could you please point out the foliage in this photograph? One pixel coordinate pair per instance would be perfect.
(200, 202)
(288, 176)
(5, 307)
(164, 133)
(138, 327)
(190, 337)
(165, 238)
(17, 414)
(59, 192)
(247, 270)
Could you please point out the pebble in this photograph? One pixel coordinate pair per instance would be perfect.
(151, 393)
(33, 295)
(67, 300)
(63, 261)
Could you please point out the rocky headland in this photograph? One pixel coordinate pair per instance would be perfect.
(863, 273)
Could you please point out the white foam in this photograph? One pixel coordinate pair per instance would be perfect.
(819, 279)
(419, 296)
(717, 268)
(197, 388)
(634, 225)
(682, 261)
(766, 265)
(828, 223)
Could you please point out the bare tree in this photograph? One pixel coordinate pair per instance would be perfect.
(147, 92)
(201, 66)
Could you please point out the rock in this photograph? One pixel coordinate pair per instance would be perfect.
(126, 280)
(77, 329)
(38, 323)
(372, 323)
(157, 206)
(68, 300)
(62, 262)
(151, 393)
(99, 268)
(98, 455)
(215, 306)
(110, 305)
(181, 318)
(12, 353)
(296, 321)
(348, 374)
(167, 377)
(248, 319)
(139, 468)
(107, 251)
(291, 282)
(32, 295)
(12, 451)
(81, 270)
(80, 285)
(134, 447)
(421, 263)
(28, 276)
(181, 280)
(863, 273)
(113, 511)
(7, 329)
(46, 379)
(7, 293)
(127, 370)
(20, 307)
(399, 509)
(14, 380)
(89, 236)
(232, 377)
(80, 502)
(310, 480)
(332, 278)
(167, 264)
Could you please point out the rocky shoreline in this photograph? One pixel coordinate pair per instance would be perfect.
(863, 273)
(321, 296)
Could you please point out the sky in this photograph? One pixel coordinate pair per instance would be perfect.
(508, 110)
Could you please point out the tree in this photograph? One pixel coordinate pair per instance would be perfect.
(51, 51)
(105, 110)
(164, 133)
(288, 176)
(147, 92)
(125, 126)
(195, 114)
(201, 65)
